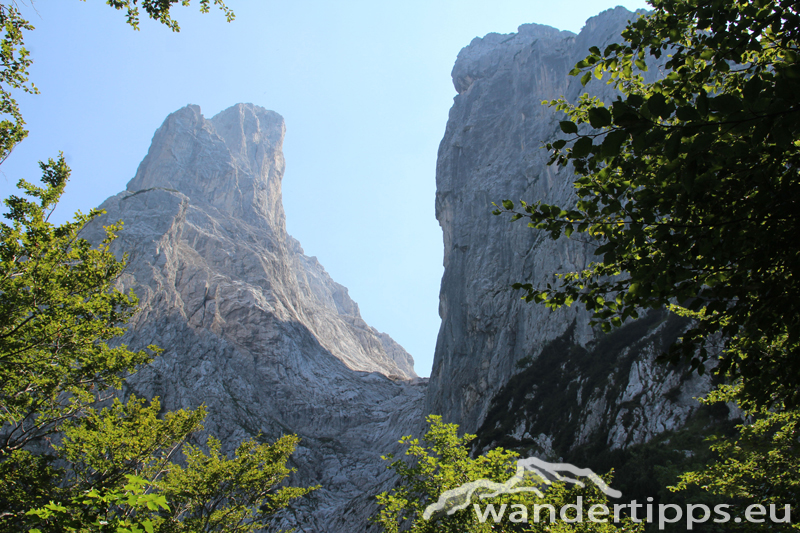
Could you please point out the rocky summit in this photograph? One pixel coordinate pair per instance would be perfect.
(578, 385)
(250, 326)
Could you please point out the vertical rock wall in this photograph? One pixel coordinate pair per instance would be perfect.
(491, 151)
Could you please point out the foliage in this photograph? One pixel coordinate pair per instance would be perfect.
(688, 185)
(121, 476)
(103, 446)
(160, 10)
(58, 310)
(101, 511)
(213, 493)
(759, 465)
(441, 462)
(111, 459)
(13, 75)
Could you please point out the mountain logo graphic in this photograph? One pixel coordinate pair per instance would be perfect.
(459, 498)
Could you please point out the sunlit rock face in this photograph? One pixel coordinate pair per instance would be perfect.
(493, 150)
(251, 327)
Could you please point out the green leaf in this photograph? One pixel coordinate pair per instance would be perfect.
(672, 146)
(752, 89)
(634, 100)
(613, 142)
(599, 117)
(725, 103)
(687, 113)
(585, 78)
(702, 103)
(605, 248)
(582, 147)
(568, 126)
(658, 105)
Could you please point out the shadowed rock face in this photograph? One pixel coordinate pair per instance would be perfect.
(251, 327)
(491, 151)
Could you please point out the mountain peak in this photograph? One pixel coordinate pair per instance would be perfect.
(232, 162)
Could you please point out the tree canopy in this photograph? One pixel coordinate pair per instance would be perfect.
(58, 310)
(688, 186)
(441, 461)
(759, 465)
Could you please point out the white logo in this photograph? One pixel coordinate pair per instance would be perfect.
(459, 498)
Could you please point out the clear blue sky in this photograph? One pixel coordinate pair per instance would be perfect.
(364, 87)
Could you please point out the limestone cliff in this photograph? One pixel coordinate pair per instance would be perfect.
(251, 327)
(492, 150)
